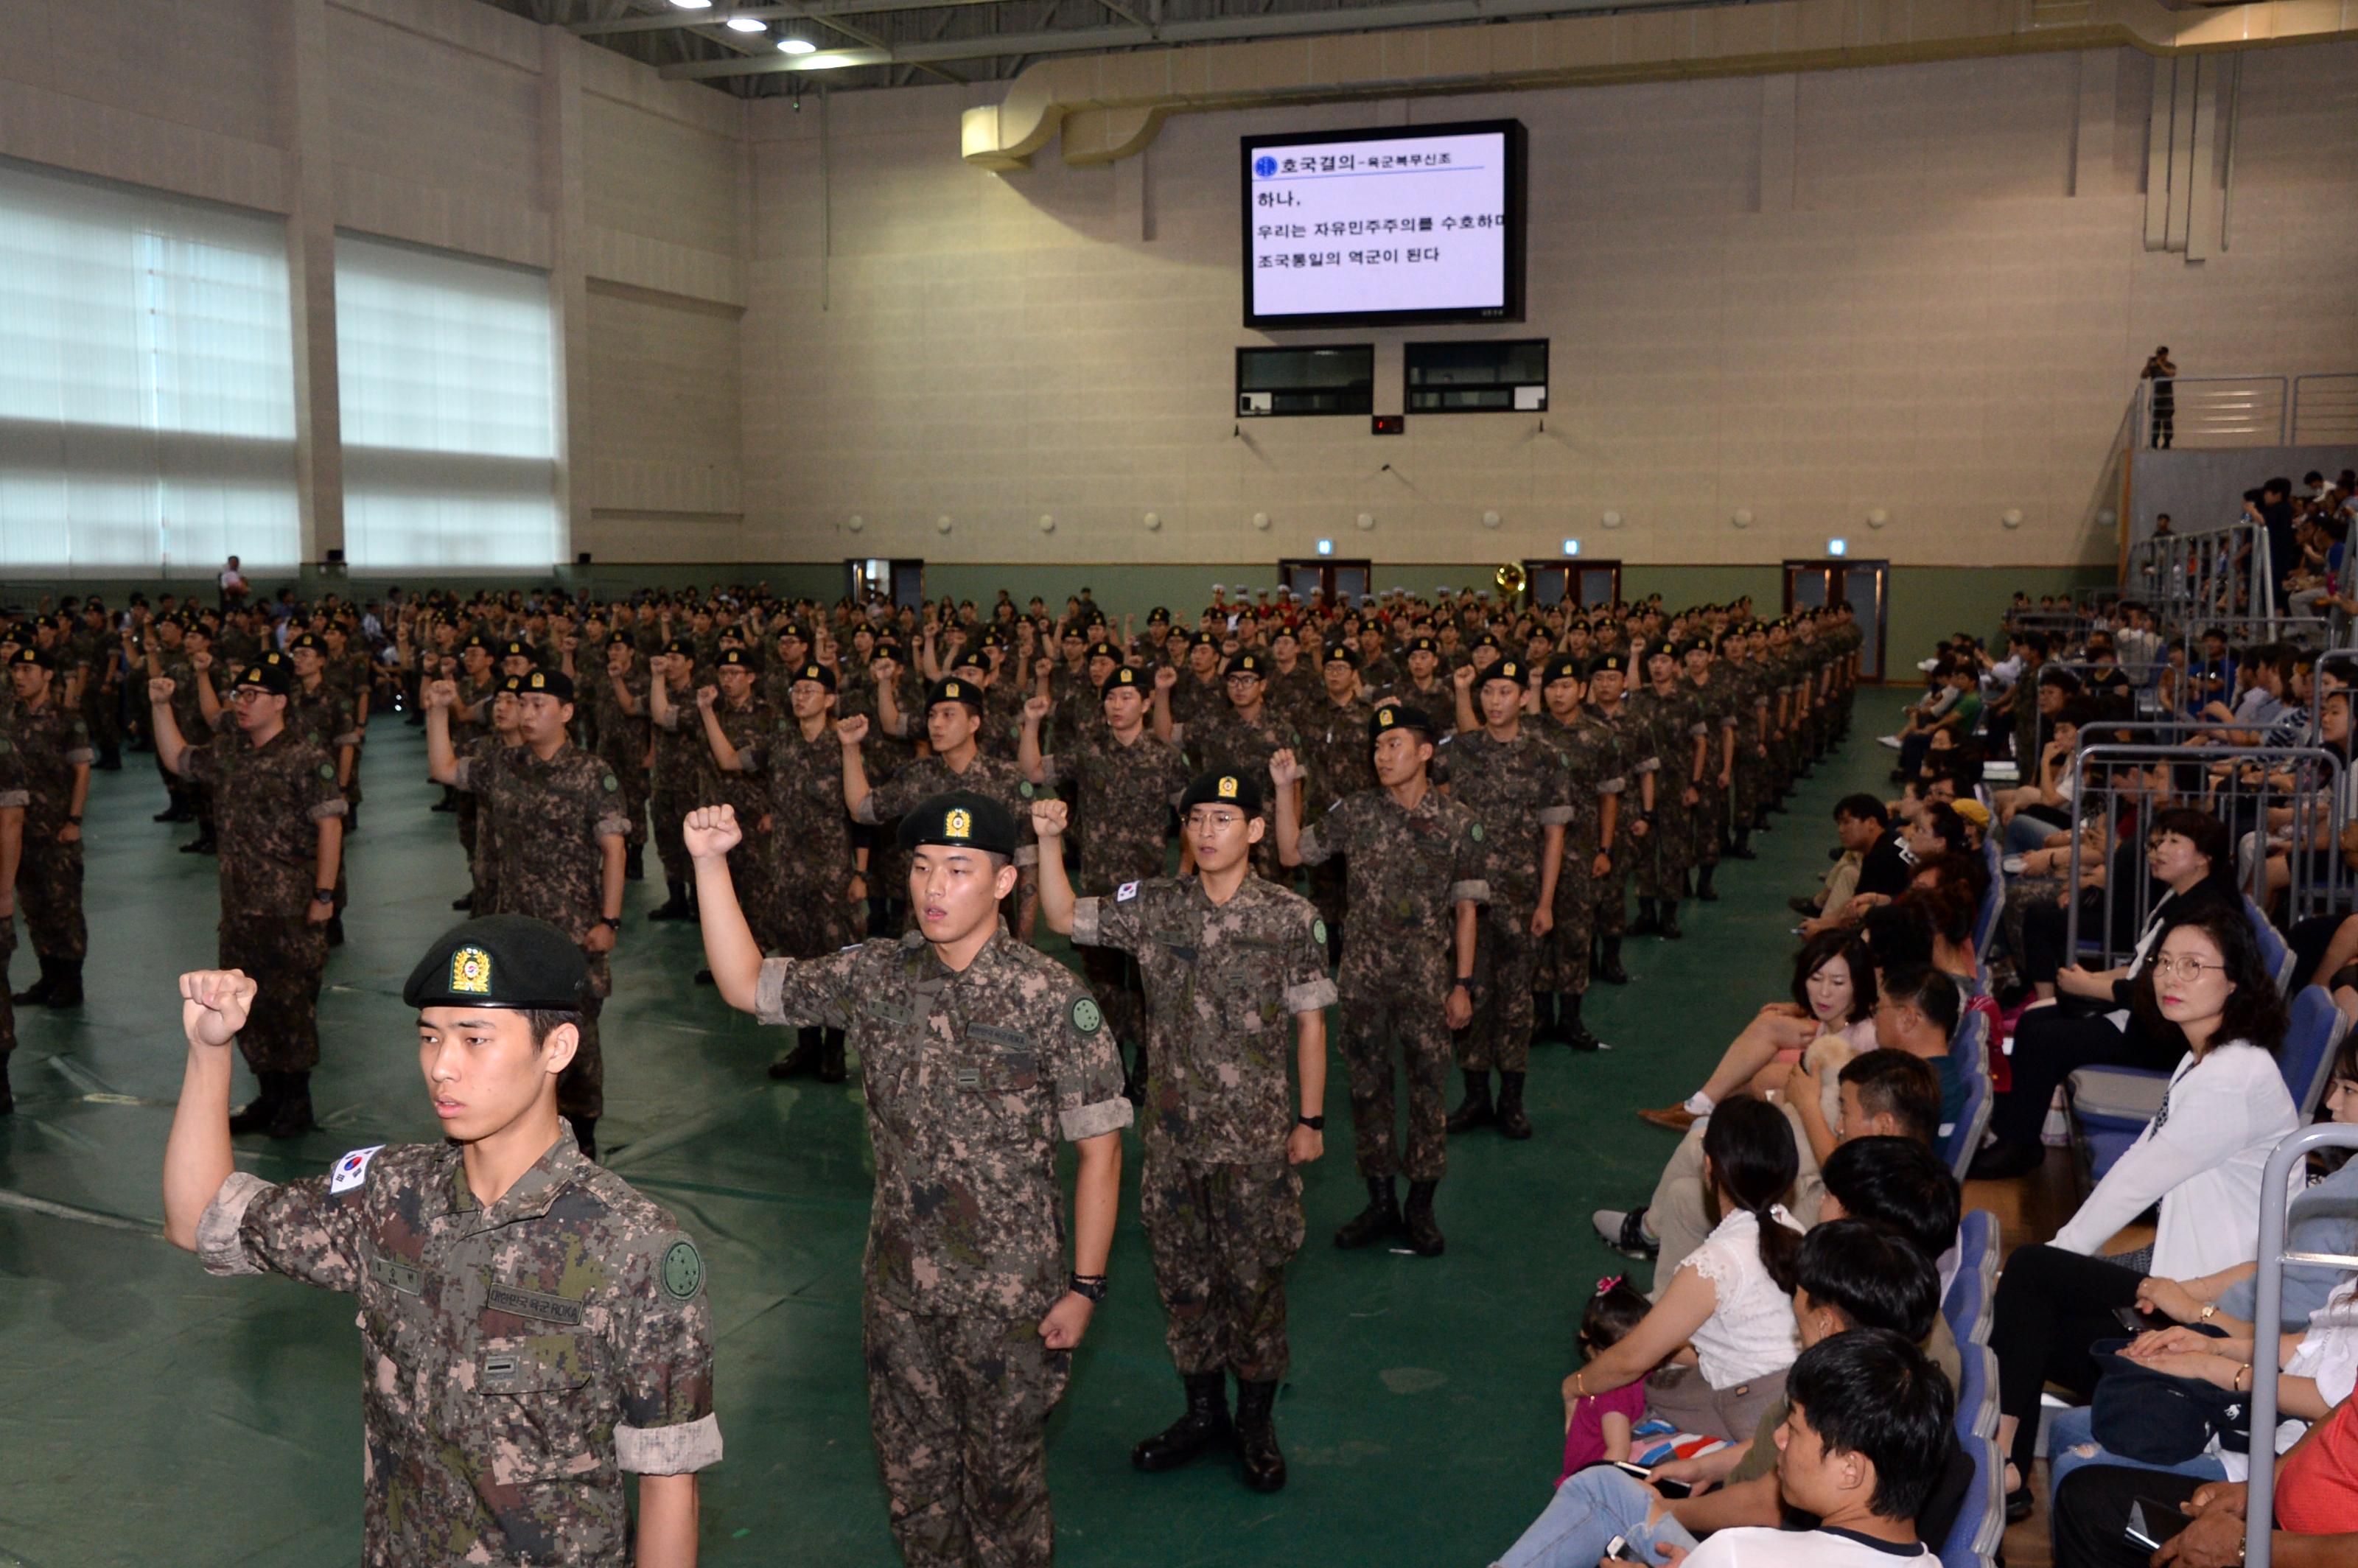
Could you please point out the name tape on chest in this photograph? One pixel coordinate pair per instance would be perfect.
(532, 1303)
(351, 1170)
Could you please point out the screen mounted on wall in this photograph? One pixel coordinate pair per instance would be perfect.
(1386, 227)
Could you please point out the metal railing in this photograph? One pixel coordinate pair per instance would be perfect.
(2214, 411)
(2190, 578)
(2325, 410)
(2268, 1313)
(2238, 785)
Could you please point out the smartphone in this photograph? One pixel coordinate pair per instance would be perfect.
(2137, 1321)
(2151, 1523)
(1674, 1490)
(1620, 1551)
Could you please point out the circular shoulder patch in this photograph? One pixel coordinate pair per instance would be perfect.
(1476, 833)
(1025, 789)
(327, 772)
(1086, 1016)
(682, 1269)
(1318, 932)
(611, 783)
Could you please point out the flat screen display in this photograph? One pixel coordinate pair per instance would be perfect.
(1366, 228)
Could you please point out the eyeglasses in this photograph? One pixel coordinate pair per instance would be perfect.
(2169, 969)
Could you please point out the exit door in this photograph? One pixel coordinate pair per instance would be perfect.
(1341, 581)
(903, 582)
(1866, 585)
(1585, 584)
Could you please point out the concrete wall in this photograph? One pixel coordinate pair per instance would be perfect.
(449, 124)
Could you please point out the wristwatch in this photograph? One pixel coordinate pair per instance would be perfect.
(1089, 1287)
(1315, 1123)
(605, 920)
(323, 895)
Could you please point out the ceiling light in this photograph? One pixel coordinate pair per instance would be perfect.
(797, 46)
(746, 24)
(693, 4)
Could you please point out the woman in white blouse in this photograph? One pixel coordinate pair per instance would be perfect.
(1732, 1300)
(2201, 1159)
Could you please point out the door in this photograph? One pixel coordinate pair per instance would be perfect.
(1585, 584)
(1341, 581)
(903, 582)
(1864, 585)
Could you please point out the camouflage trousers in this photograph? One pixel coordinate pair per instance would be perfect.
(1397, 993)
(287, 956)
(48, 891)
(1221, 1235)
(581, 1088)
(7, 1007)
(1664, 854)
(959, 1409)
(468, 813)
(1506, 966)
(1609, 894)
(671, 804)
(1707, 822)
(1562, 962)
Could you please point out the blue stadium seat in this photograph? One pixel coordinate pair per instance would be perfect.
(1973, 1540)
(1969, 1049)
(1968, 1306)
(1993, 901)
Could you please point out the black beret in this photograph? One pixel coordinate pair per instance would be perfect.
(31, 654)
(270, 672)
(475, 642)
(1105, 651)
(1342, 652)
(814, 672)
(620, 639)
(513, 649)
(962, 819)
(1238, 788)
(1422, 645)
(1158, 616)
(1248, 664)
(956, 690)
(1563, 666)
(1398, 716)
(733, 659)
(1127, 676)
(791, 629)
(556, 682)
(307, 640)
(681, 648)
(1514, 670)
(501, 960)
(1617, 663)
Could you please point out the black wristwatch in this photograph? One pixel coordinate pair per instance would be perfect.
(323, 895)
(1315, 1123)
(605, 920)
(1463, 983)
(1088, 1287)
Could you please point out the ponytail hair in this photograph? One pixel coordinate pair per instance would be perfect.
(1754, 1163)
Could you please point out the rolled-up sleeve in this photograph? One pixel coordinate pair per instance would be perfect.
(806, 990)
(1469, 889)
(221, 1242)
(663, 1342)
(1087, 1071)
(1556, 816)
(1612, 786)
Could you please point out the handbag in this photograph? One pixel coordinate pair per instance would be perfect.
(2155, 1418)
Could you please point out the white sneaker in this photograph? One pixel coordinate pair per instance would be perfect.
(1891, 740)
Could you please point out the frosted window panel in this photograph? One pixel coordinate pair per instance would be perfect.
(147, 382)
(447, 371)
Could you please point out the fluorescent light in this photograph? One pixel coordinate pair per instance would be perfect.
(693, 4)
(797, 46)
(1572, 546)
(1838, 547)
(746, 24)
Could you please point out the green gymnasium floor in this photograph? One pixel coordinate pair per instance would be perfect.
(149, 1414)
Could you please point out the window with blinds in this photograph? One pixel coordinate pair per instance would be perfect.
(146, 383)
(446, 369)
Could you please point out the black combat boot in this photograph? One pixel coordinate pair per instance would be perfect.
(1262, 1462)
(37, 994)
(1667, 928)
(675, 907)
(1740, 848)
(1511, 1119)
(465, 906)
(67, 992)
(202, 844)
(291, 1116)
(635, 863)
(1543, 1024)
(450, 801)
(830, 1056)
(1647, 922)
(585, 1132)
(1380, 1218)
(1704, 892)
(1423, 1235)
(256, 1114)
(1205, 1424)
(1474, 1110)
(177, 812)
(8, 1096)
(110, 760)
(802, 1058)
(1608, 962)
(352, 820)
(1576, 1034)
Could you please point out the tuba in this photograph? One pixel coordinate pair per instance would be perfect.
(1511, 577)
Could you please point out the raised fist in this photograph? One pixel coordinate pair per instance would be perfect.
(1284, 768)
(1166, 677)
(1048, 818)
(711, 831)
(1464, 677)
(200, 663)
(442, 693)
(706, 695)
(215, 1004)
(160, 691)
(885, 671)
(1044, 666)
(852, 731)
(1035, 709)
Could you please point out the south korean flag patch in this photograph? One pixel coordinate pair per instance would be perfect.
(1125, 892)
(351, 1170)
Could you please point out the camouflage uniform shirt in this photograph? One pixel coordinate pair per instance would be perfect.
(969, 1077)
(516, 1359)
(1126, 794)
(268, 802)
(1514, 788)
(546, 820)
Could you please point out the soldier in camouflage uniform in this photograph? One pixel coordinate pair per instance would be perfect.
(1128, 778)
(1625, 830)
(975, 1053)
(1561, 975)
(483, 857)
(1519, 789)
(1708, 822)
(954, 718)
(530, 1326)
(1239, 737)
(1197, 693)
(96, 650)
(682, 764)
(556, 832)
(618, 700)
(1752, 723)
(1414, 858)
(14, 797)
(1293, 682)
(730, 715)
(318, 709)
(1671, 718)
(1337, 764)
(1226, 957)
(54, 747)
(281, 827)
(799, 766)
